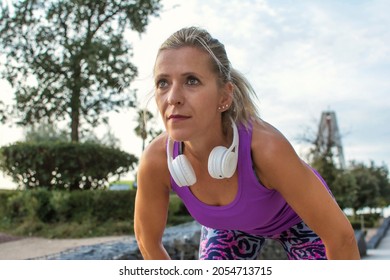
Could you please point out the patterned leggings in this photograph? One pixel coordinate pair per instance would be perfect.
(299, 242)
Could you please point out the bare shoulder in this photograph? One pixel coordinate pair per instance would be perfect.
(271, 152)
(153, 167)
(267, 140)
(156, 148)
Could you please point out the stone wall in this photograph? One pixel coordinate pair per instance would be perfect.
(180, 241)
(380, 233)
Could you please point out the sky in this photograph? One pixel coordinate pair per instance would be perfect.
(302, 58)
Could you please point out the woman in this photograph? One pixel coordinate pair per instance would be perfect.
(237, 175)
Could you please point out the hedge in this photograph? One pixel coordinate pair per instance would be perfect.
(64, 165)
(64, 206)
(28, 211)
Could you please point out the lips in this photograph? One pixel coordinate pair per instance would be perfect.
(178, 117)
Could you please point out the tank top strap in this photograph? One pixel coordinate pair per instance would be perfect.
(244, 149)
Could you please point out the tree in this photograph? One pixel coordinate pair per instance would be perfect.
(382, 175)
(45, 132)
(2, 112)
(69, 60)
(141, 130)
(373, 186)
(368, 187)
(325, 165)
(355, 186)
(345, 189)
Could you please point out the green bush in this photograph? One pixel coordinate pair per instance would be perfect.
(371, 220)
(176, 206)
(4, 196)
(61, 213)
(64, 165)
(177, 212)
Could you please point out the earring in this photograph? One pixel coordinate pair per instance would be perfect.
(223, 107)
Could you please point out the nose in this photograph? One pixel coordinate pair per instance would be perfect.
(175, 95)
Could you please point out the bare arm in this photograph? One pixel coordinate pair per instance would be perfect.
(152, 201)
(280, 168)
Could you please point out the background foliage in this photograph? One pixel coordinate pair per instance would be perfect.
(69, 60)
(64, 165)
(55, 213)
(358, 186)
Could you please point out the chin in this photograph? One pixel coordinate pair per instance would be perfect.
(178, 139)
(178, 136)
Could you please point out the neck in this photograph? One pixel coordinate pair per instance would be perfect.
(200, 149)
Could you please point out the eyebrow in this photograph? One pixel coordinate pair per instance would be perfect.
(186, 74)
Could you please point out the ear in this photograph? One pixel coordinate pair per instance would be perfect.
(226, 94)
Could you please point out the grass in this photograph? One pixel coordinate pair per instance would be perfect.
(84, 229)
(70, 230)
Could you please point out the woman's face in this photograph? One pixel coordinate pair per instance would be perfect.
(187, 93)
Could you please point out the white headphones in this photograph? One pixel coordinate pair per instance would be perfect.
(222, 162)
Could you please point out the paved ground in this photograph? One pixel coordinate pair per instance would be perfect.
(6, 238)
(382, 252)
(16, 248)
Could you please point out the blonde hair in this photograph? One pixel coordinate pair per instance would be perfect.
(243, 108)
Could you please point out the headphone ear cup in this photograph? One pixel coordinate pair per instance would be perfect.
(222, 161)
(183, 173)
(229, 164)
(215, 163)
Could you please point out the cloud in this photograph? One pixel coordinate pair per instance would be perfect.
(313, 56)
(302, 57)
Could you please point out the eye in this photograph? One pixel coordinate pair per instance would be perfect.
(192, 81)
(162, 83)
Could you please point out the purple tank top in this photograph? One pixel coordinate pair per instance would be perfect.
(255, 209)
